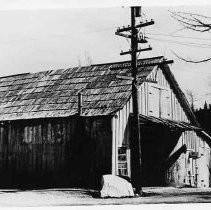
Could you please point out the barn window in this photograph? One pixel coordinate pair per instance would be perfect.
(122, 161)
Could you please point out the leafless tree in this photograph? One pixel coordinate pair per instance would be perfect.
(88, 59)
(79, 61)
(195, 22)
(191, 97)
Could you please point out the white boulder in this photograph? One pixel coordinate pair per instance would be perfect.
(114, 186)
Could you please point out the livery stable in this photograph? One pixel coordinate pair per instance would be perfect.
(67, 128)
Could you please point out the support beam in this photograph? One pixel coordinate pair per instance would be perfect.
(129, 37)
(141, 25)
(145, 65)
(139, 50)
(123, 35)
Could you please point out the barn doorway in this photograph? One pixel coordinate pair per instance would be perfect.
(159, 138)
(157, 144)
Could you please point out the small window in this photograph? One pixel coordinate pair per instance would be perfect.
(122, 161)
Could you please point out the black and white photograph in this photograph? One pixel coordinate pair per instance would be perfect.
(105, 103)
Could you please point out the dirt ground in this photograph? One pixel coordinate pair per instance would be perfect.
(70, 197)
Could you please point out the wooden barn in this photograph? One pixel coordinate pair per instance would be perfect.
(67, 128)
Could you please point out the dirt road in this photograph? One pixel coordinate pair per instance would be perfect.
(68, 197)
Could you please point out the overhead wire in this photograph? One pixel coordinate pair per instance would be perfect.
(177, 36)
(112, 28)
(192, 44)
(54, 36)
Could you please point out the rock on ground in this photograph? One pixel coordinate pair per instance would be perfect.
(114, 186)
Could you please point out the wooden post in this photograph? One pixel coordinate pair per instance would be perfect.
(114, 145)
(136, 139)
(136, 144)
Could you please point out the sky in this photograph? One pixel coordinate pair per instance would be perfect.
(44, 35)
(40, 4)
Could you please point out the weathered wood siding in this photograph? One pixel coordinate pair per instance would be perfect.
(159, 100)
(120, 136)
(55, 152)
(187, 170)
(203, 164)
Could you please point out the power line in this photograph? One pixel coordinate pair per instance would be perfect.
(192, 44)
(55, 36)
(108, 29)
(177, 36)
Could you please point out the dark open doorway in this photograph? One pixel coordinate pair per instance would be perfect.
(157, 143)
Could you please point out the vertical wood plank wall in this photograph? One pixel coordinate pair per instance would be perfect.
(120, 137)
(54, 152)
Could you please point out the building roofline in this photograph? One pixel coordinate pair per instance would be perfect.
(176, 88)
(15, 75)
(126, 61)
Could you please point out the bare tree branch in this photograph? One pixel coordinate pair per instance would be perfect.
(195, 22)
(193, 14)
(192, 21)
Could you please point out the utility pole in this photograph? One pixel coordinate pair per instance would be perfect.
(136, 138)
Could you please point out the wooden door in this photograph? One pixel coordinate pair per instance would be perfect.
(190, 171)
(165, 111)
(154, 101)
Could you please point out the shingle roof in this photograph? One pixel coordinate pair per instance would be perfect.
(54, 93)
